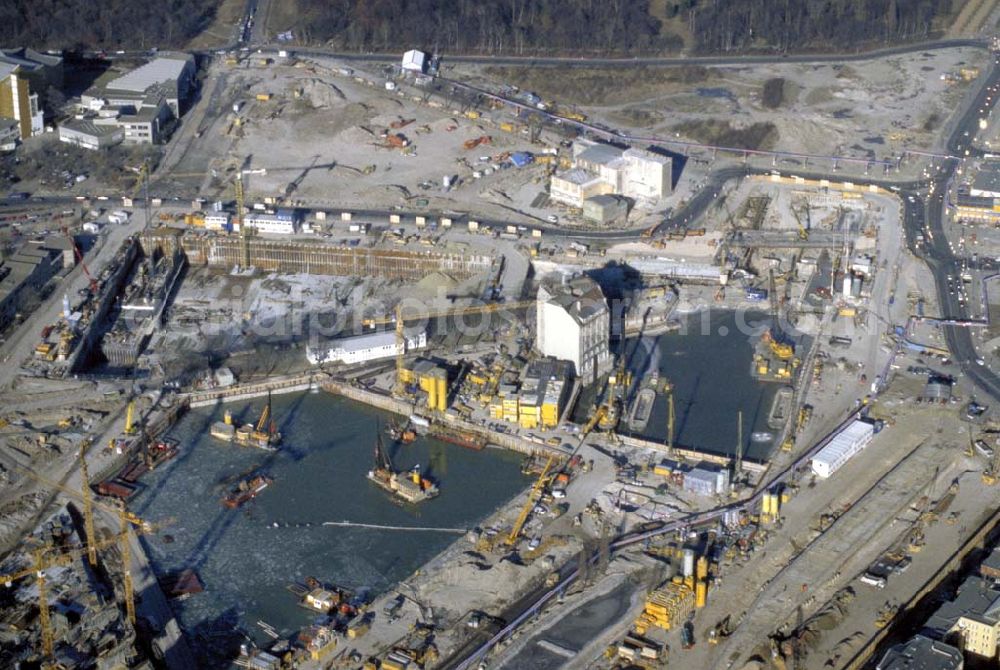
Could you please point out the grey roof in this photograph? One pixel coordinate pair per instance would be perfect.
(6, 69)
(160, 71)
(88, 127)
(604, 200)
(648, 156)
(540, 375)
(581, 297)
(921, 653)
(578, 176)
(29, 58)
(992, 561)
(976, 599)
(603, 154)
(6, 122)
(987, 179)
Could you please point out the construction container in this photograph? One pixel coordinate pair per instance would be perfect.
(445, 222)
(394, 219)
(421, 221)
(507, 127)
(700, 594)
(320, 215)
(701, 568)
(473, 226)
(358, 630)
(263, 97)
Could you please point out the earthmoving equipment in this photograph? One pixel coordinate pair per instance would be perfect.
(130, 418)
(533, 496)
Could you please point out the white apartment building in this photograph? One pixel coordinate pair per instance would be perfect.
(574, 324)
(602, 169)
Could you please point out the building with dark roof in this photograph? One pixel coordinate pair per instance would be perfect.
(28, 269)
(921, 653)
(971, 620)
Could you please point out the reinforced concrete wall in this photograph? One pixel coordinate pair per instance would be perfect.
(314, 257)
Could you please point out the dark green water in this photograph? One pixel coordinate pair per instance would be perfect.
(708, 363)
(246, 563)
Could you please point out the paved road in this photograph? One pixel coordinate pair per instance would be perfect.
(645, 61)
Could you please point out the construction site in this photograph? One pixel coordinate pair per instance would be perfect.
(450, 420)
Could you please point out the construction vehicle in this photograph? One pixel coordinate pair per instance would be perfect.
(533, 496)
(130, 428)
(780, 348)
(477, 141)
(885, 615)
(992, 470)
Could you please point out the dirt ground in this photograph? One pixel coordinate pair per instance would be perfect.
(880, 105)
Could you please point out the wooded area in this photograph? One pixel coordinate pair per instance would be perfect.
(801, 25)
(102, 24)
(524, 27)
(508, 27)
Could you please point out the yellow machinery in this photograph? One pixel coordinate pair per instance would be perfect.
(125, 517)
(130, 418)
(41, 563)
(782, 350)
(44, 558)
(594, 420)
(88, 504)
(991, 472)
(533, 496)
(399, 320)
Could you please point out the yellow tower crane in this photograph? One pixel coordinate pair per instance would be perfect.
(44, 559)
(125, 517)
(88, 504)
(40, 563)
(533, 496)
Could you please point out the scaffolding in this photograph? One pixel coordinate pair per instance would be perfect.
(288, 256)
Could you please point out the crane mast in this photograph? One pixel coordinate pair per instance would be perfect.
(88, 504)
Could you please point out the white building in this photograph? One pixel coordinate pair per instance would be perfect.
(90, 135)
(414, 61)
(217, 221)
(647, 175)
(602, 169)
(364, 348)
(281, 222)
(573, 325)
(10, 134)
(849, 441)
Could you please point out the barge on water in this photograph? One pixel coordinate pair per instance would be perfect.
(642, 409)
(410, 487)
(246, 490)
(264, 435)
(461, 438)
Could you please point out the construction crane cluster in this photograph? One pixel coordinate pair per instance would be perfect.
(46, 557)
